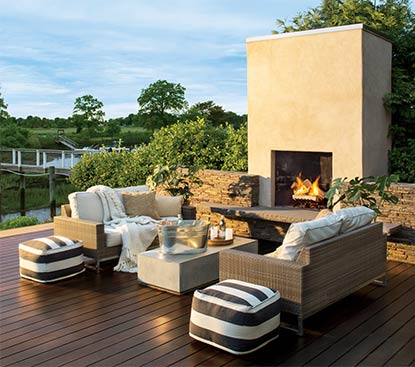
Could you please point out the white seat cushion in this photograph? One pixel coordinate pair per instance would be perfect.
(304, 234)
(86, 205)
(353, 218)
(112, 237)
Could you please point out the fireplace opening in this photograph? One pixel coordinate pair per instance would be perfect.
(308, 166)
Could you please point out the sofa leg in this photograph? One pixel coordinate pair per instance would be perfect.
(383, 282)
(299, 330)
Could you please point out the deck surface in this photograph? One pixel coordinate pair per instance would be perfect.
(109, 319)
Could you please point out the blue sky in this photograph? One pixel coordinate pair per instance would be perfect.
(52, 51)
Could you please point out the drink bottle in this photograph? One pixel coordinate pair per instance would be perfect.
(222, 228)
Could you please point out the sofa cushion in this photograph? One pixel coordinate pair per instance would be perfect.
(139, 188)
(140, 203)
(112, 237)
(353, 218)
(86, 205)
(169, 206)
(304, 234)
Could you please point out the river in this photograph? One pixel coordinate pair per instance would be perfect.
(42, 215)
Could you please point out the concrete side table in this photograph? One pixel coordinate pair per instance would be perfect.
(179, 274)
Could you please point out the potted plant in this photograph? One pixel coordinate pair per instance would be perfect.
(175, 180)
(370, 191)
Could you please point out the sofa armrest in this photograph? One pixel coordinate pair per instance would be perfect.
(66, 210)
(282, 275)
(90, 233)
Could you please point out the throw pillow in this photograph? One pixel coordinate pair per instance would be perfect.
(140, 203)
(139, 188)
(87, 206)
(169, 206)
(355, 217)
(307, 233)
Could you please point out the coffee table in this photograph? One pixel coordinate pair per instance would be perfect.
(179, 274)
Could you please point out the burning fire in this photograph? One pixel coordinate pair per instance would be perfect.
(306, 187)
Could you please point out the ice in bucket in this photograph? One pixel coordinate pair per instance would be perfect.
(189, 237)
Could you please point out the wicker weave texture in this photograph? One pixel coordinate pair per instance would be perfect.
(323, 274)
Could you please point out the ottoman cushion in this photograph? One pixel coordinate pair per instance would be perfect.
(235, 316)
(51, 258)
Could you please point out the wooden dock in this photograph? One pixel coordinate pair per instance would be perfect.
(108, 319)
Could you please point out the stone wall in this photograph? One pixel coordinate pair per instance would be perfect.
(404, 212)
(241, 189)
(224, 187)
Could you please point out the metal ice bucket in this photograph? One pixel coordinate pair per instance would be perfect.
(188, 237)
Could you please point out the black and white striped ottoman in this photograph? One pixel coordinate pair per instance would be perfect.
(235, 316)
(51, 258)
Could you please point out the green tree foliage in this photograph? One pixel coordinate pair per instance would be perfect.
(112, 128)
(213, 114)
(17, 137)
(159, 101)
(4, 115)
(87, 113)
(396, 20)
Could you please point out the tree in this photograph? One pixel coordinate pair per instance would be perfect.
(159, 100)
(87, 113)
(212, 113)
(396, 20)
(4, 115)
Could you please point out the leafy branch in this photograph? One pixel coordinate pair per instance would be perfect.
(370, 191)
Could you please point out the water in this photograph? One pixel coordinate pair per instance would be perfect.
(42, 215)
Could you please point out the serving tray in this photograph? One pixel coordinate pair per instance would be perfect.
(218, 242)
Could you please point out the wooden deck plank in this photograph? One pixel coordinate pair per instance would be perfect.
(106, 347)
(361, 327)
(374, 338)
(338, 321)
(405, 356)
(101, 326)
(108, 319)
(391, 345)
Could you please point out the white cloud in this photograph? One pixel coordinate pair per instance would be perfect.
(53, 51)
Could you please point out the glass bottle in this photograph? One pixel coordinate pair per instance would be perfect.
(179, 220)
(222, 228)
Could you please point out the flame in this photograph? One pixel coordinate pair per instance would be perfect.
(300, 188)
(314, 189)
(305, 187)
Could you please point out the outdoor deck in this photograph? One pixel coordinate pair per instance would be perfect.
(108, 319)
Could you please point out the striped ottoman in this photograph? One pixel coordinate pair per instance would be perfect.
(235, 316)
(50, 258)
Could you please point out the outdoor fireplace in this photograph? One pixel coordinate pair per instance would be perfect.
(315, 107)
(293, 167)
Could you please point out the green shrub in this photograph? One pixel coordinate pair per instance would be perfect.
(402, 162)
(236, 149)
(114, 169)
(18, 222)
(183, 144)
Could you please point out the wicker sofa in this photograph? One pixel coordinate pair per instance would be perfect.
(323, 273)
(100, 242)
